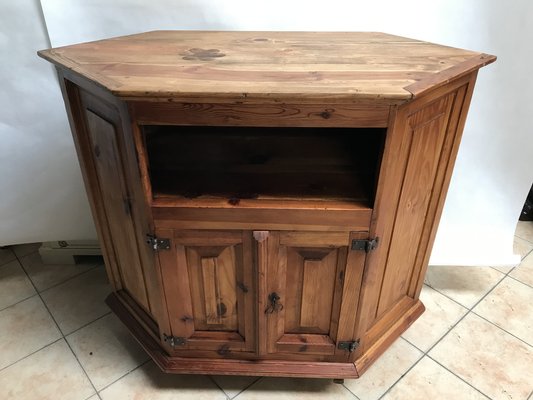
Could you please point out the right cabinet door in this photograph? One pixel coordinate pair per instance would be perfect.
(311, 294)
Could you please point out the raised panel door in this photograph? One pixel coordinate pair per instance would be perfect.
(312, 291)
(209, 291)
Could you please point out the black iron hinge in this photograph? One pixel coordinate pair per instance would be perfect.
(157, 243)
(174, 341)
(365, 244)
(350, 346)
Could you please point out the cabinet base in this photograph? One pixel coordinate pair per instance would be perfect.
(280, 368)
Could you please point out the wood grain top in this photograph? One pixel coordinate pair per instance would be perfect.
(266, 66)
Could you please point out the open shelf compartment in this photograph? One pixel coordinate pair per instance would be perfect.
(237, 165)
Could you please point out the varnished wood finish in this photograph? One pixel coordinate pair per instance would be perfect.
(266, 66)
(340, 137)
(210, 366)
(207, 277)
(309, 272)
(282, 115)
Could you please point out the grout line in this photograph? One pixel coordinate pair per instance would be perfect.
(401, 377)
(349, 391)
(81, 366)
(9, 261)
(503, 329)
(87, 324)
(527, 254)
(519, 281)
(32, 353)
(352, 393)
(457, 376)
(92, 268)
(24, 255)
(222, 390)
(126, 374)
(426, 353)
(468, 312)
(475, 304)
(227, 395)
(248, 387)
(18, 302)
(60, 331)
(94, 394)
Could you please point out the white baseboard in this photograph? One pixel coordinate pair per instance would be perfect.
(65, 252)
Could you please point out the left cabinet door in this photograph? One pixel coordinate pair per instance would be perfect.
(209, 290)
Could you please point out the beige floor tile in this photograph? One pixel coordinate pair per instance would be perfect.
(524, 230)
(522, 246)
(295, 389)
(22, 250)
(149, 383)
(509, 307)
(385, 371)
(233, 385)
(106, 350)
(465, 285)
(51, 373)
(524, 272)
(440, 315)
(25, 328)
(428, 380)
(44, 276)
(6, 255)
(491, 360)
(14, 284)
(504, 268)
(79, 300)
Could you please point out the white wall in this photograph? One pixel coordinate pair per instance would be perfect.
(494, 169)
(42, 195)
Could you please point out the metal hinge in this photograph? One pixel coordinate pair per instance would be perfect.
(174, 341)
(350, 346)
(157, 243)
(365, 244)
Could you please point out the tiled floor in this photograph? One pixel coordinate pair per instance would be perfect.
(58, 340)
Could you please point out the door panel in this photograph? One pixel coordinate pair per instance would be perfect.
(207, 277)
(112, 182)
(307, 291)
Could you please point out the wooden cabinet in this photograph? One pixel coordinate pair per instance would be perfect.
(266, 202)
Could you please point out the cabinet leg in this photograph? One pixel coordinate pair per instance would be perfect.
(339, 381)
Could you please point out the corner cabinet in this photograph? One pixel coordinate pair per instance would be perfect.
(266, 202)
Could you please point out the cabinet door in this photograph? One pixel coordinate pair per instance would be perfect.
(312, 292)
(209, 292)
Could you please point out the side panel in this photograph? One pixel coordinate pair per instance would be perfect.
(422, 142)
(100, 124)
(111, 179)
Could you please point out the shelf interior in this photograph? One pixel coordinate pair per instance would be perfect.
(248, 163)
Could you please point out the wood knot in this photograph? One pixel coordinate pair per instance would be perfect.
(326, 114)
(202, 54)
(221, 309)
(187, 318)
(223, 350)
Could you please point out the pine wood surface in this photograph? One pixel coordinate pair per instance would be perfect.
(267, 66)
